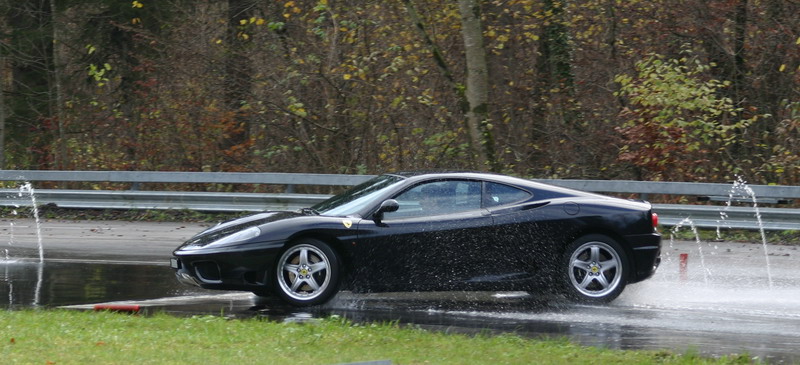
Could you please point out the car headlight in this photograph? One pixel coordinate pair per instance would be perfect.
(237, 237)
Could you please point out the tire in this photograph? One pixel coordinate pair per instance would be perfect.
(595, 269)
(307, 273)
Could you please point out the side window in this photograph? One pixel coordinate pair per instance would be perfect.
(499, 194)
(438, 198)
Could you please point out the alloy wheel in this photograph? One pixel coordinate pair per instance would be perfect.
(304, 273)
(595, 269)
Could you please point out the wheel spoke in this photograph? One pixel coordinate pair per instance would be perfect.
(587, 280)
(312, 282)
(296, 283)
(304, 257)
(291, 268)
(579, 264)
(608, 265)
(601, 279)
(320, 266)
(595, 254)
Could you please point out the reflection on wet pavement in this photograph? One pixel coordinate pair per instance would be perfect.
(28, 283)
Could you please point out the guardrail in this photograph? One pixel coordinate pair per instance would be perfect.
(708, 216)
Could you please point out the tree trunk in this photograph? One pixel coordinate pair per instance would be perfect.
(556, 51)
(57, 80)
(238, 75)
(475, 111)
(4, 29)
(740, 67)
(3, 112)
(477, 85)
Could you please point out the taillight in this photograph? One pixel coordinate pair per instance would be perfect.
(654, 218)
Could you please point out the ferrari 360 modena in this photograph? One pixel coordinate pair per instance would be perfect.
(439, 231)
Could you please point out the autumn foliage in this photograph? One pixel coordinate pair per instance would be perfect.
(655, 90)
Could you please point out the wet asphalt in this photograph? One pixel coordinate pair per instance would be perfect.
(713, 298)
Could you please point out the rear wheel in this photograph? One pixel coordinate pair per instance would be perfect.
(307, 273)
(595, 269)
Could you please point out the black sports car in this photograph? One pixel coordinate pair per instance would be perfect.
(432, 231)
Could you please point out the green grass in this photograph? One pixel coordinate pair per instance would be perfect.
(74, 337)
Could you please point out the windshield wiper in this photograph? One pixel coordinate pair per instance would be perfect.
(309, 211)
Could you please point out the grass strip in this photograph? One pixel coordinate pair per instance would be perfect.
(75, 337)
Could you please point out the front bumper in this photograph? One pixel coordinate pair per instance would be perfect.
(247, 270)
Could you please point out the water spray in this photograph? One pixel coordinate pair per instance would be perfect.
(27, 188)
(741, 185)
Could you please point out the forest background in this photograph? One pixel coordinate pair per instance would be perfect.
(670, 90)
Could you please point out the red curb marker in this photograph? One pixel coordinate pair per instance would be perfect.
(129, 308)
(684, 261)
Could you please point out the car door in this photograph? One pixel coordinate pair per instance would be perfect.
(523, 231)
(429, 243)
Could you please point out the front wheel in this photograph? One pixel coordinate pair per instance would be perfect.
(307, 273)
(595, 269)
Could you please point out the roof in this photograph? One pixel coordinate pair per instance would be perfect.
(412, 173)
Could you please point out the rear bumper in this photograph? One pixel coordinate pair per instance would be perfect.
(646, 250)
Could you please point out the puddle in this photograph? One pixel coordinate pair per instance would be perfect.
(26, 284)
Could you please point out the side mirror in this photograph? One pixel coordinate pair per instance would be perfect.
(388, 206)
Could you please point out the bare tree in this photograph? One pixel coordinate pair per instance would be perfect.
(477, 85)
(473, 97)
(57, 102)
(2, 106)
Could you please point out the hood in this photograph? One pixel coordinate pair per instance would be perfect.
(236, 225)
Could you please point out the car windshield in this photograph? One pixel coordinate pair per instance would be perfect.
(354, 200)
